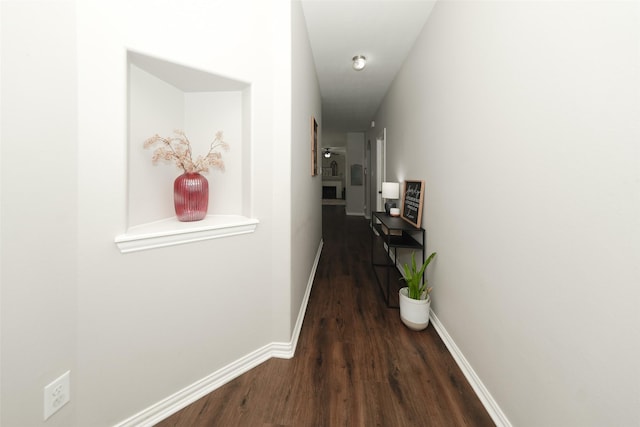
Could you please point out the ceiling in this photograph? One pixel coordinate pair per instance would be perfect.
(382, 30)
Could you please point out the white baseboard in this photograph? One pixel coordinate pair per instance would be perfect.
(179, 400)
(172, 404)
(303, 307)
(496, 414)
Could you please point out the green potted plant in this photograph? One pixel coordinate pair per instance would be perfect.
(415, 298)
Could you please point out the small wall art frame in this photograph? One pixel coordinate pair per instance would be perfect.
(314, 146)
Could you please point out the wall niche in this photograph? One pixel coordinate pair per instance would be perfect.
(164, 96)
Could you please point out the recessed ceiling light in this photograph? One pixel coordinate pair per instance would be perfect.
(359, 62)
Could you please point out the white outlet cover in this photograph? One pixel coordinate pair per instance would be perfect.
(57, 394)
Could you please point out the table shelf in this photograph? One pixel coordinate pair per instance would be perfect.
(395, 234)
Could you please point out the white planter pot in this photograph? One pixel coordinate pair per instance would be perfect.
(414, 313)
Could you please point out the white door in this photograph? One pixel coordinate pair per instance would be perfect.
(381, 167)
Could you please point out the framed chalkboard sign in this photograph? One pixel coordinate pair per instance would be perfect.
(412, 198)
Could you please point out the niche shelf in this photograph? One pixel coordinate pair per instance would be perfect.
(170, 232)
(164, 96)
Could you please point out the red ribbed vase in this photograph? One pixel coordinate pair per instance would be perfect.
(191, 197)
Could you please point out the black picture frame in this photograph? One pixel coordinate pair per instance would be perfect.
(314, 146)
(412, 202)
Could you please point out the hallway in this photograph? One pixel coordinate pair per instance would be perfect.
(355, 363)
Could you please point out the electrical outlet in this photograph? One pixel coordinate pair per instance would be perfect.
(56, 395)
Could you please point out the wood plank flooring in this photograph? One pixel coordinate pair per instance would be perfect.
(355, 364)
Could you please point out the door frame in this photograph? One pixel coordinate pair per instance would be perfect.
(381, 166)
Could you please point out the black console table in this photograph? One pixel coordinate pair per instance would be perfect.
(395, 233)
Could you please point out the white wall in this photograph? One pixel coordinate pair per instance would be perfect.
(38, 206)
(135, 328)
(154, 107)
(334, 138)
(306, 191)
(175, 306)
(522, 117)
(205, 114)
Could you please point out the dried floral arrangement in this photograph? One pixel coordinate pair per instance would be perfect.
(178, 149)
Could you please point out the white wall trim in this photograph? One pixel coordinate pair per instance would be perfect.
(305, 302)
(170, 232)
(179, 400)
(498, 417)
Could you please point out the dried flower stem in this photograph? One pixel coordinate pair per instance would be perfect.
(178, 149)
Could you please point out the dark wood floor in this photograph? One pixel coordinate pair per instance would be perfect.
(355, 364)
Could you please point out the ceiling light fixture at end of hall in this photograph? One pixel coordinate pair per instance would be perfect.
(359, 62)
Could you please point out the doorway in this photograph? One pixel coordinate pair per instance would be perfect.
(334, 175)
(380, 169)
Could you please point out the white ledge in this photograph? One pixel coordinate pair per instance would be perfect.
(170, 232)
